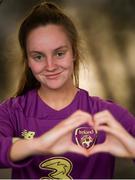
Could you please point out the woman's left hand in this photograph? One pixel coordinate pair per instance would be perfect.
(118, 141)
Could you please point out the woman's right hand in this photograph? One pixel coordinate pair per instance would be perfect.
(58, 140)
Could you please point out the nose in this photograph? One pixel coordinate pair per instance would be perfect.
(50, 64)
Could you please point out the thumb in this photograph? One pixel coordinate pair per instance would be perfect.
(97, 149)
(78, 149)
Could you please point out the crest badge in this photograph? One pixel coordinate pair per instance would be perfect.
(85, 137)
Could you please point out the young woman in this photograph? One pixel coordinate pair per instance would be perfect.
(43, 128)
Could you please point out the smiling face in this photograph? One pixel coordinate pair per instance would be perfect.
(50, 56)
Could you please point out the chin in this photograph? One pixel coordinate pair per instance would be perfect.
(54, 86)
(58, 86)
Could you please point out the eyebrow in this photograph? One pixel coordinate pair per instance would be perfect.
(36, 52)
(39, 52)
(61, 47)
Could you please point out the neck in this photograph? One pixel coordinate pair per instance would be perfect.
(58, 98)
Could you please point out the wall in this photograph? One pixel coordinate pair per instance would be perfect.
(107, 29)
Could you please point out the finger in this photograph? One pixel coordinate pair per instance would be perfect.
(104, 117)
(105, 128)
(79, 115)
(98, 149)
(103, 148)
(76, 119)
(78, 149)
(62, 128)
(122, 135)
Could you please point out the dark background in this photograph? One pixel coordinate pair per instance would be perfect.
(107, 29)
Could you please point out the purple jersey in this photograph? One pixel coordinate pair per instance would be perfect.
(28, 116)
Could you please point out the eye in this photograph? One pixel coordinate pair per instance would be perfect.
(38, 57)
(60, 54)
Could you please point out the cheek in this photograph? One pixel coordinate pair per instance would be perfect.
(35, 68)
(68, 63)
(70, 67)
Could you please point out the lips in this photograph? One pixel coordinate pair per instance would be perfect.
(53, 76)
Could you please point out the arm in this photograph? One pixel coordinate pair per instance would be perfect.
(118, 141)
(52, 141)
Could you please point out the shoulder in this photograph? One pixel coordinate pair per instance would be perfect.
(18, 102)
(97, 104)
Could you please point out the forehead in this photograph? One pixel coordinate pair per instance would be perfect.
(50, 36)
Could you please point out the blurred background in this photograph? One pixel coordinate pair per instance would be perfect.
(107, 31)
